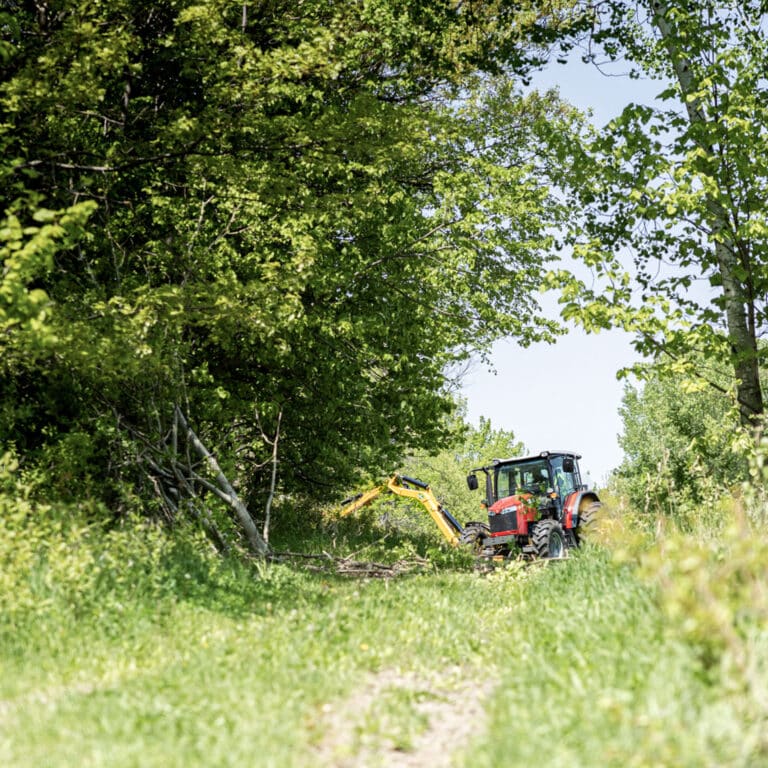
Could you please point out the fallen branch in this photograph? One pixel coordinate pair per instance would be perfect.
(344, 566)
(225, 491)
(174, 467)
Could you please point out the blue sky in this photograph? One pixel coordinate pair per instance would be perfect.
(566, 395)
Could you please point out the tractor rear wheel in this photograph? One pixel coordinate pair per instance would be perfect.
(549, 539)
(588, 517)
(474, 536)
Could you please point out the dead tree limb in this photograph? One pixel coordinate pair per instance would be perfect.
(211, 531)
(273, 481)
(225, 490)
(200, 513)
(346, 566)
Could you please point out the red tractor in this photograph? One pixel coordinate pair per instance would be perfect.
(537, 506)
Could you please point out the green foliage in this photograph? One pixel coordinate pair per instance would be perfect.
(309, 211)
(673, 224)
(681, 449)
(708, 583)
(58, 569)
(446, 470)
(712, 589)
(754, 491)
(27, 253)
(664, 669)
(597, 647)
(124, 658)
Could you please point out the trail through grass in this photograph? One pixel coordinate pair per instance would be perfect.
(187, 680)
(206, 663)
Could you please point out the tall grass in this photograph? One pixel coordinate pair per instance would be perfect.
(132, 647)
(602, 677)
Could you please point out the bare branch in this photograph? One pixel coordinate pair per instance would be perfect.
(273, 480)
(225, 489)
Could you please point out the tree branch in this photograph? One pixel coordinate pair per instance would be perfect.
(225, 491)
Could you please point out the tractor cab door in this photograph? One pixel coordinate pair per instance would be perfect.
(531, 477)
(566, 477)
(507, 481)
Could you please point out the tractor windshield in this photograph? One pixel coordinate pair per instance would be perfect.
(526, 477)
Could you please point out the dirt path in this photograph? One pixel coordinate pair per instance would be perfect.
(403, 720)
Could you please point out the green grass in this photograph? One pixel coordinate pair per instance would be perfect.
(204, 663)
(198, 686)
(170, 656)
(602, 683)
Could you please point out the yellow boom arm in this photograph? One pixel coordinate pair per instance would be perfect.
(410, 488)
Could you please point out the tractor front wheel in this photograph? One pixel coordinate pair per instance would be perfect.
(474, 536)
(549, 539)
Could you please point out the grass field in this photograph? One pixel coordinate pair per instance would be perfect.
(169, 656)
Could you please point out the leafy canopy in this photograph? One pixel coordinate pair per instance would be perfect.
(671, 194)
(301, 215)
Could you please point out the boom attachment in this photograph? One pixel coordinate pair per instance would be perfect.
(410, 488)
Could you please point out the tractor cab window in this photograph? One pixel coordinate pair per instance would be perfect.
(565, 482)
(505, 482)
(525, 477)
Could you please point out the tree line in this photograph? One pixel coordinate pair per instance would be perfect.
(291, 225)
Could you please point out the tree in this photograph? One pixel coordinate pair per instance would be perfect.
(298, 214)
(679, 456)
(680, 186)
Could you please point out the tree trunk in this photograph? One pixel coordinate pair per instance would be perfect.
(736, 299)
(742, 339)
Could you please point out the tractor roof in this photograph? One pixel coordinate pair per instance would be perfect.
(542, 455)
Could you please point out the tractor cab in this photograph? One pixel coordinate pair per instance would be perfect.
(546, 473)
(555, 473)
(536, 503)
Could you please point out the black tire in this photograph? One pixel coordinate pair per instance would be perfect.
(549, 539)
(474, 536)
(588, 518)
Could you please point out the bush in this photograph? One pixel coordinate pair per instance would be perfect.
(713, 589)
(59, 566)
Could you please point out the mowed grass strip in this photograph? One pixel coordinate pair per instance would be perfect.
(228, 670)
(185, 659)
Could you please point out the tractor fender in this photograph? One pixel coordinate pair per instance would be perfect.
(574, 504)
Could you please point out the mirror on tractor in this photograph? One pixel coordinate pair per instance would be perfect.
(568, 465)
(472, 482)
